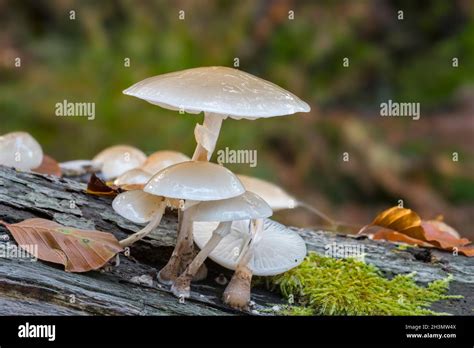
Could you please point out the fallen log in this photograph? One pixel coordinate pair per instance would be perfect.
(40, 288)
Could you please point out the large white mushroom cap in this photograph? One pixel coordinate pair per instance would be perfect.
(118, 159)
(244, 207)
(196, 181)
(137, 206)
(277, 248)
(20, 150)
(162, 159)
(220, 90)
(274, 195)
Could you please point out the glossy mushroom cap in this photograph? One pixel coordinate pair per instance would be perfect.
(276, 250)
(20, 150)
(196, 181)
(274, 195)
(244, 207)
(116, 160)
(137, 206)
(162, 159)
(219, 90)
(133, 177)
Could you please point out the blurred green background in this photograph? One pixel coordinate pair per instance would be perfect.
(409, 60)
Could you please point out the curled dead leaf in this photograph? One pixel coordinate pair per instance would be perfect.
(404, 225)
(98, 187)
(466, 250)
(401, 220)
(78, 250)
(436, 234)
(380, 233)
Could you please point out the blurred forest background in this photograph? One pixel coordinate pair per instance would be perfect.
(409, 60)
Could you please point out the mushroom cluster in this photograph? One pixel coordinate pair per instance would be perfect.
(230, 219)
(225, 215)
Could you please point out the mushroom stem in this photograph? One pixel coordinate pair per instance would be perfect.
(206, 136)
(181, 286)
(180, 218)
(182, 252)
(237, 293)
(200, 153)
(147, 229)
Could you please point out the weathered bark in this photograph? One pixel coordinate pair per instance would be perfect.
(43, 288)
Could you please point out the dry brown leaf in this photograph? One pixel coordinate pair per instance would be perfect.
(401, 220)
(442, 226)
(466, 251)
(403, 225)
(78, 250)
(98, 187)
(437, 235)
(380, 233)
(48, 166)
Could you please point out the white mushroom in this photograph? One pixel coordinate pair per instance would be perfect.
(277, 198)
(219, 92)
(78, 167)
(116, 160)
(274, 195)
(20, 150)
(267, 250)
(135, 176)
(153, 164)
(162, 159)
(191, 182)
(138, 206)
(247, 206)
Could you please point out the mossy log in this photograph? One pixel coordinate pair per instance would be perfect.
(30, 288)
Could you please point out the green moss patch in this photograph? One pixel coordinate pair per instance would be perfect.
(328, 286)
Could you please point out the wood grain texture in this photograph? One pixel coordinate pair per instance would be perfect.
(43, 288)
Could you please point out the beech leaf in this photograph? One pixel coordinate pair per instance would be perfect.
(78, 250)
(380, 233)
(401, 220)
(48, 166)
(435, 234)
(404, 225)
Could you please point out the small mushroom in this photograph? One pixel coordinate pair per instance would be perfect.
(247, 206)
(138, 206)
(20, 150)
(277, 198)
(78, 167)
(274, 195)
(153, 164)
(116, 160)
(269, 249)
(219, 92)
(161, 159)
(134, 177)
